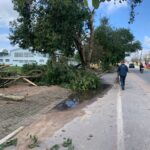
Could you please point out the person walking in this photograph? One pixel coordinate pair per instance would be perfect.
(141, 67)
(122, 72)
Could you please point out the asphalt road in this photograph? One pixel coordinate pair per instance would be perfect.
(145, 75)
(118, 121)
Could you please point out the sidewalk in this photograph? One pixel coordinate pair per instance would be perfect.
(118, 121)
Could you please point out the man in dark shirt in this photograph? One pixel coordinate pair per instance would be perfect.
(122, 72)
(141, 67)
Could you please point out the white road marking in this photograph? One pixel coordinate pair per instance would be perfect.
(120, 132)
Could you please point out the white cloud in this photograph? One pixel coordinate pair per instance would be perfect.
(4, 38)
(114, 5)
(110, 6)
(7, 13)
(147, 41)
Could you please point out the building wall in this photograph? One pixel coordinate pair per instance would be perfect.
(5, 60)
(19, 57)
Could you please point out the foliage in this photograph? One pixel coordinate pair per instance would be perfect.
(12, 142)
(76, 79)
(10, 71)
(34, 142)
(68, 143)
(58, 73)
(29, 67)
(84, 81)
(14, 69)
(48, 26)
(55, 147)
(112, 44)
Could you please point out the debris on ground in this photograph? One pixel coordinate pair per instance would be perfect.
(12, 142)
(34, 142)
(68, 103)
(38, 100)
(55, 147)
(12, 97)
(8, 78)
(67, 144)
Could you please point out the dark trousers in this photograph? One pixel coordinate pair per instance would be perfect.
(122, 81)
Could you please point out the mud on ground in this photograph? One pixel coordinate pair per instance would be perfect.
(39, 100)
(46, 125)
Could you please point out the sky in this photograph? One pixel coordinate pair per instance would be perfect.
(118, 15)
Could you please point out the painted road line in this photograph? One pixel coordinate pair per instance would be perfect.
(120, 131)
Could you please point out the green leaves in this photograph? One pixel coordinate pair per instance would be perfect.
(111, 44)
(86, 3)
(12, 142)
(96, 3)
(34, 142)
(48, 25)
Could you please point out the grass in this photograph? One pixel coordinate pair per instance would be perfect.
(14, 69)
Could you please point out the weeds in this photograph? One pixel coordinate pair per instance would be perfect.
(55, 147)
(12, 142)
(34, 142)
(67, 144)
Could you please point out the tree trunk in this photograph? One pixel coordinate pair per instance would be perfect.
(53, 57)
(91, 40)
(80, 49)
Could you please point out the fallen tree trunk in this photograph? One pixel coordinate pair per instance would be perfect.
(30, 82)
(5, 139)
(12, 97)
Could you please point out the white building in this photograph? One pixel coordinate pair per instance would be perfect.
(19, 57)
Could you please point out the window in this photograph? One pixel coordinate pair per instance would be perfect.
(16, 60)
(1, 60)
(18, 54)
(25, 61)
(7, 60)
(32, 61)
(28, 55)
(41, 60)
(20, 61)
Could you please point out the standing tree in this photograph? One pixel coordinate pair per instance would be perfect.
(51, 25)
(115, 43)
(96, 4)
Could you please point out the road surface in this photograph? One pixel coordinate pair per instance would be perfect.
(145, 76)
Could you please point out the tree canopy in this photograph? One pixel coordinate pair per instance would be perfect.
(67, 25)
(112, 44)
(48, 26)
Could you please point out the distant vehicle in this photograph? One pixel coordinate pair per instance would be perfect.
(131, 65)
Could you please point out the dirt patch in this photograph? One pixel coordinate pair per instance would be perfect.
(36, 111)
(49, 123)
(38, 100)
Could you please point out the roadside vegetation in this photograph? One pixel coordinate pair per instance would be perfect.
(66, 28)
